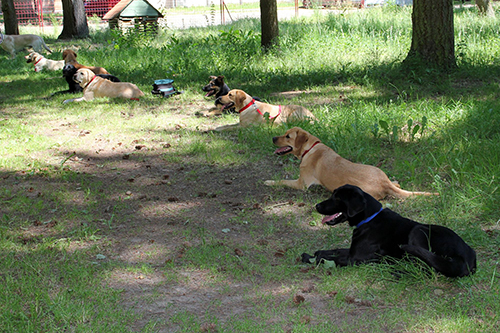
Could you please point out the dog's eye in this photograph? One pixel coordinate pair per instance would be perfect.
(288, 136)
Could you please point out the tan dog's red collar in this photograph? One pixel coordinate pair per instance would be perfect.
(37, 63)
(314, 144)
(89, 82)
(252, 102)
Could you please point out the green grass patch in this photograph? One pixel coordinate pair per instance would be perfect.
(120, 216)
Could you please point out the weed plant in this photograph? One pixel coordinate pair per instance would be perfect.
(430, 130)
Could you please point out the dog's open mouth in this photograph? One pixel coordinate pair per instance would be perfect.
(332, 219)
(227, 106)
(210, 93)
(283, 150)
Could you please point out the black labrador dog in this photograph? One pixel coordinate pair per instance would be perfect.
(69, 72)
(381, 232)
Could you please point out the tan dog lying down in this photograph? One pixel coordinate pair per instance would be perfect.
(95, 86)
(41, 63)
(69, 57)
(251, 112)
(321, 165)
(15, 43)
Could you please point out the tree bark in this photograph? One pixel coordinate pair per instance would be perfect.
(74, 20)
(485, 8)
(269, 24)
(433, 39)
(10, 18)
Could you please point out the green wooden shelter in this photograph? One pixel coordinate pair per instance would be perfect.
(139, 14)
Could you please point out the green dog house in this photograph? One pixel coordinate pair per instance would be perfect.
(138, 14)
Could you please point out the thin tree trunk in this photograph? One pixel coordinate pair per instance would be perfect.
(10, 18)
(269, 23)
(433, 39)
(74, 20)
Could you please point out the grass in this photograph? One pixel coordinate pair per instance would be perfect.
(81, 231)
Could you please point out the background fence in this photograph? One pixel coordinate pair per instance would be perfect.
(178, 14)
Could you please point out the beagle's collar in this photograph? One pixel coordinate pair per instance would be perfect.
(89, 82)
(252, 102)
(368, 219)
(314, 144)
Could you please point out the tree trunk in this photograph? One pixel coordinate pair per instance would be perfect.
(74, 20)
(10, 18)
(269, 23)
(485, 8)
(433, 39)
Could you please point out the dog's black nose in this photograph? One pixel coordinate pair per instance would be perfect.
(275, 139)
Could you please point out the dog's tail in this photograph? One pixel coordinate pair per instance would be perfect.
(455, 266)
(45, 46)
(398, 192)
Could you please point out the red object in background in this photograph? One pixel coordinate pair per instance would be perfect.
(98, 7)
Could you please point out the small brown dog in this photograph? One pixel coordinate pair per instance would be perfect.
(95, 86)
(254, 112)
(69, 57)
(321, 165)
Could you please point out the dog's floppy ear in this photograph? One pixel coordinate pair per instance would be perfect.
(239, 99)
(355, 202)
(301, 139)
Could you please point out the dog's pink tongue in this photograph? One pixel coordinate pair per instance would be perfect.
(282, 150)
(330, 218)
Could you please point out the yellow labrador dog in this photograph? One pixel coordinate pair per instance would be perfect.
(321, 165)
(252, 112)
(15, 43)
(95, 86)
(41, 63)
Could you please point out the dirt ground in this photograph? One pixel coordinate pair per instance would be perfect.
(152, 213)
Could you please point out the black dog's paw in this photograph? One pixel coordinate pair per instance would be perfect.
(308, 259)
(404, 247)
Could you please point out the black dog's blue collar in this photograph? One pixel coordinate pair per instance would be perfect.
(368, 219)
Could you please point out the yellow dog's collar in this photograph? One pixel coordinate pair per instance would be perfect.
(252, 102)
(90, 82)
(314, 144)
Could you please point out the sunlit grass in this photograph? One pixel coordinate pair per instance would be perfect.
(347, 67)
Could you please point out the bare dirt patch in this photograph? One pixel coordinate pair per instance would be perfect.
(194, 235)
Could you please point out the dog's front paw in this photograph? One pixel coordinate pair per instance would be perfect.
(307, 259)
(270, 182)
